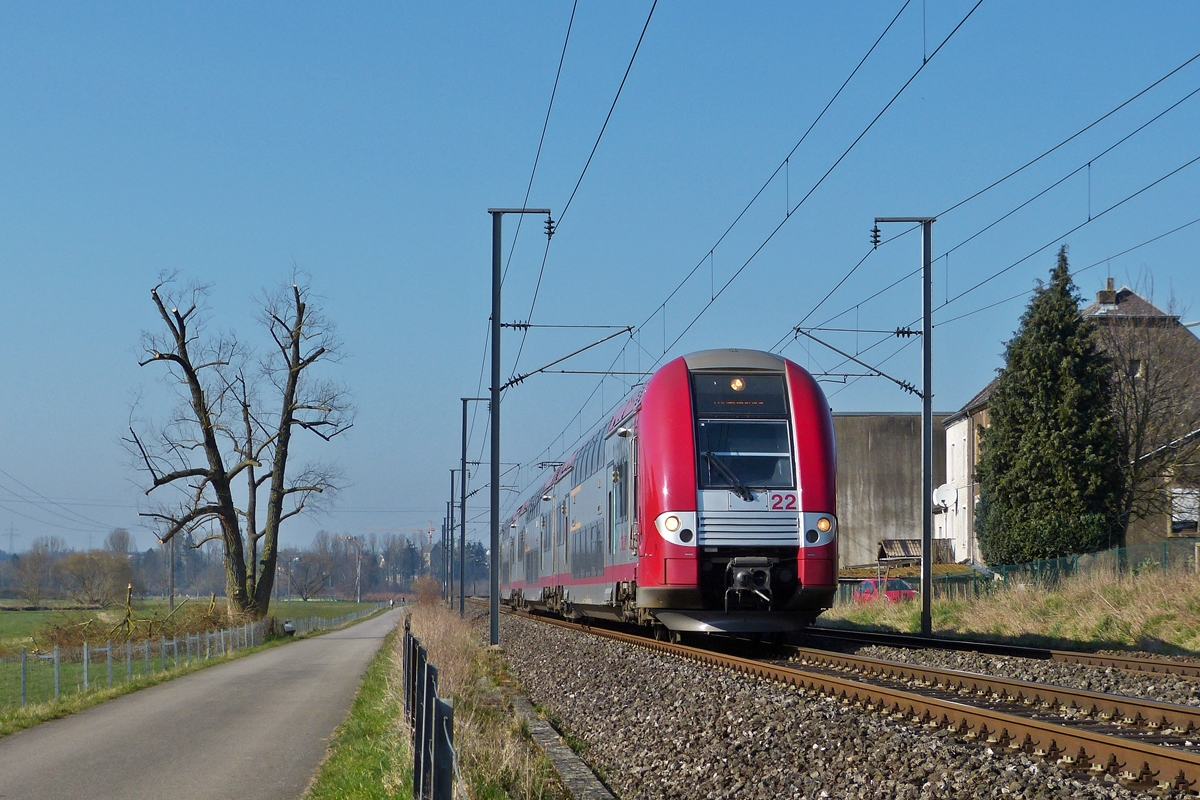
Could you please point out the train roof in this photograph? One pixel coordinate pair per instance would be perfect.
(733, 358)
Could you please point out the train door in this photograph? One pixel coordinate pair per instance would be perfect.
(632, 493)
(611, 512)
(563, 524)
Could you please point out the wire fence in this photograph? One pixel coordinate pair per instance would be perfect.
(1170, 554)
(435, 761)
(34, 676)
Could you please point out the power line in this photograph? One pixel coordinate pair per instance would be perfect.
(1006, 177)
(562, 214)
(1075, 135)
(662, 306)
(826, 175)
(78, 517)
(1054, 241)
(541, 140)
(787, 159)
(528, 188)
(1073, 272)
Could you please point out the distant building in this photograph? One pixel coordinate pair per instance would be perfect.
(879, 480)
(957, 520)
(1147, 343)
(1112, 307)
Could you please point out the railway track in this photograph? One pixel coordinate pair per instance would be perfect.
(1143, 744)
(1142, 664)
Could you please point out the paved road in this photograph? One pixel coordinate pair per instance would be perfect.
(256, 727)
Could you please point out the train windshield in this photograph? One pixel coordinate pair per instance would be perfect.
(735, 454)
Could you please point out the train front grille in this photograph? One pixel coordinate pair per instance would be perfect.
(741, 528)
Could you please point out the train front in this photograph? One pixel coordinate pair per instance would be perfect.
(737, 514)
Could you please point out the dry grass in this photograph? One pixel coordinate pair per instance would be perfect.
(496, 757)
(1154, 610)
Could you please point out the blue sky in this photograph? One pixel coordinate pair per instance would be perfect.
(364, 144)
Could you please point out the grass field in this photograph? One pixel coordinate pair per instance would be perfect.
(1156, 611)
(18, 628)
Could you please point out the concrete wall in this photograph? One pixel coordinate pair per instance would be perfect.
(879, 479)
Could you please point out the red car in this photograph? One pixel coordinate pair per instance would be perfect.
(897, 591)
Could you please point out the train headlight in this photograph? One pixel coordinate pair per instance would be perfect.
(677, 527)
(824, 524)
(737, 384)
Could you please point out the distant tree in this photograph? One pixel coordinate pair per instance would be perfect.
(230, 437)
(309, 574)
(96, 578)
(1049, 467)
(35, 569)
(119, 541)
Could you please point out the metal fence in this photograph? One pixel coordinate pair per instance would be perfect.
(1183, 553)
(31, 676)
(435, 762)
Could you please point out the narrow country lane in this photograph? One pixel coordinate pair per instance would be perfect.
(256, 727)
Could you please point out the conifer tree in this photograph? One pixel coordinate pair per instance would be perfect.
(1049, 467)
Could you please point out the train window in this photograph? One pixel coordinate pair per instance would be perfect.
(744, 453)
(727, 394)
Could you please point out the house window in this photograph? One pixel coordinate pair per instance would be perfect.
(1185, 510)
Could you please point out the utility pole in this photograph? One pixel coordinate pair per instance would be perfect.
(497, 222)
(450, 542)
(462, 514)
(926, 224)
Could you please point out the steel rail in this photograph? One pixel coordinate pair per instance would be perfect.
(1161, 666)
(1129, 712)
(1135, 763)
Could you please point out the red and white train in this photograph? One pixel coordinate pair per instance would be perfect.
(706, 504)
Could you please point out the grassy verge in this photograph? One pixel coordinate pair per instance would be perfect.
(1155, 611)
(496, 756)
(16, 718)
(370, 755)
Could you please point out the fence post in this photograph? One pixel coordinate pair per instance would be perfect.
(443, 750)
(108, 659)
(419, 737)
(147, 655)
(162, 652)
(128, 660)
(57, 674)
(85, 666)
(24, 673)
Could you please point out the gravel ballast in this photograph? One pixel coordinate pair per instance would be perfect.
(658, 726)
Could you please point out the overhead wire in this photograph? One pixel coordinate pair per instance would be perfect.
(74, 517)
(562, 214)
(789, 212)
(1027, 164)
(1093, 265)
(528, 189)
(821, 180)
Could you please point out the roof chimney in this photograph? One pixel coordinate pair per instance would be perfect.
(1107, 296)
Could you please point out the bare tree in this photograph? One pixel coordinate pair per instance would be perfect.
(119, 541)
(1156, 381)
(35, 569)
(230, 437)
(309, 574)
(97, 578)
